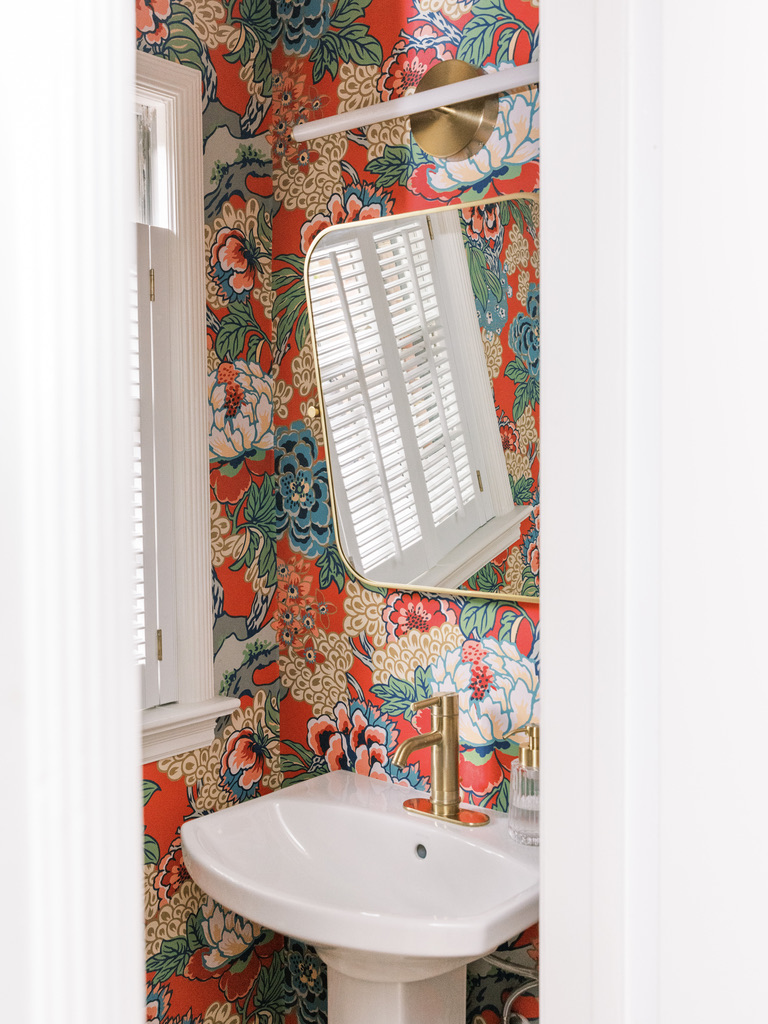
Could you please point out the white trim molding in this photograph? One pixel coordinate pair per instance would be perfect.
(175, 728)
(71, 849)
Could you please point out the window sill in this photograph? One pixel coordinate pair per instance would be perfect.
(473, 553)
(177, 728)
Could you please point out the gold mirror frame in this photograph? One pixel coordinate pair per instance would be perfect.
(350, 569)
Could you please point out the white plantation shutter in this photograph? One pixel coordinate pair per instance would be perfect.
(171, 483)
(155, 590)
(379, 522)
(400, 444)
(421, 335)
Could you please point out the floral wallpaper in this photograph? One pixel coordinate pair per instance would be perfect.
(501, 243)
(325, 667)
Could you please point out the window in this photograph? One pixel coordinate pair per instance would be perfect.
(173, 627)
(415, 448)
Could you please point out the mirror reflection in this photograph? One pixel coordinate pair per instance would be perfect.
(426, 337)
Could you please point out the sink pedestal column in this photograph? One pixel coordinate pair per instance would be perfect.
(354, 1001)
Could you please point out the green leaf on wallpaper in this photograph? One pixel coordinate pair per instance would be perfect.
(268, 565)
(396, 696)
(392, 167)
(502, 796)
(258, 16)
(516, 371)
(356, 44)
(510, 622)
(259, 521)
(504, 213)
(325, 57)
(487, 579)
(348, 11)
(238, 326)
(530, 586)
(290, 306)
(171, 960)
(294, 296)
(526, 395)
(517, 216)
(477, 618)
(183, 44)
(522, 213)
(271, 991)
(522, 490)
(494, 284)
(302, 330)
(476, 44)
(151, 850)
(477, 274)
(149, 788)
(260, 507)
(297, 262)
(331, 568)
(262, 67)
(194, 932)
(421, 685)
(243, 55)
(301, 757)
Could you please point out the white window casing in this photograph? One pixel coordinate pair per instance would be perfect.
(186, 718)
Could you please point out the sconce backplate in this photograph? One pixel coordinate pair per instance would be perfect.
(461, 129)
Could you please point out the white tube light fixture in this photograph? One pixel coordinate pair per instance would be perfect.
(430, 99)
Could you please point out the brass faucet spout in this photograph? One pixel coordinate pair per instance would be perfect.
(444, 801)
(414, 743)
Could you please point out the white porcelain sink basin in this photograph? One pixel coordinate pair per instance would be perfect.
(384, 896)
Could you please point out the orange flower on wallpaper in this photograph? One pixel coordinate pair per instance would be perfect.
(404, 612)
(356, 202)
(410, 61)
(171, 872)
(151, 17)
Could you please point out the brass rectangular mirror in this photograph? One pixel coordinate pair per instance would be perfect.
(425, 329)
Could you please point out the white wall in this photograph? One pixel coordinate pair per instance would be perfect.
(71, 942)
(654, 220)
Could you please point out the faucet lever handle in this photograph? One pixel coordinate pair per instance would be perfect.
(448, 702)
(428, 702)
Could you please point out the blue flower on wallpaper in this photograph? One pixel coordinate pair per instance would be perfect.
(307, 982)
(524, 336)
(302, 504)
(302, 22)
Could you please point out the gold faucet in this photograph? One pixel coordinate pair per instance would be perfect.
(444, 802)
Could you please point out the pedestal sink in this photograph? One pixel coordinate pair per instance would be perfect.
(395, 904)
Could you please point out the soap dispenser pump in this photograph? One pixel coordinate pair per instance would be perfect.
(524, 792)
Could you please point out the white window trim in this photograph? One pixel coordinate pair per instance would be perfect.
(177, 728)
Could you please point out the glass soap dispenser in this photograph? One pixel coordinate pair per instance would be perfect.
(524, 792)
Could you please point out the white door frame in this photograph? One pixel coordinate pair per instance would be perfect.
(654, 362)
(70, 856)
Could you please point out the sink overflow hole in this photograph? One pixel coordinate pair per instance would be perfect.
(421, 851)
